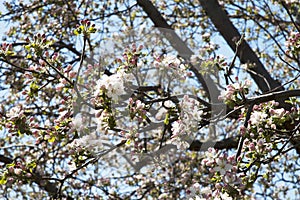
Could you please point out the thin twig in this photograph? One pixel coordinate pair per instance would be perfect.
(242, 138)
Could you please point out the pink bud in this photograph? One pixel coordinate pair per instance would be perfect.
(42, 62)
(72, 74)
(11, 169)
(68, 68)
(17, 171)
(252, 146)
(24, 92)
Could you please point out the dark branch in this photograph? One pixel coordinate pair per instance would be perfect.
(220, 19)
(178, 44)
(228, 143)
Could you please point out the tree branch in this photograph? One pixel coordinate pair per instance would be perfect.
(229, 32)
(228, 143)
(178, 44)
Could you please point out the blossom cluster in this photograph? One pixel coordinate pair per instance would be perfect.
(18, 171)
(131, 57)
(112, 86)
(265, 120)
(195, 192)
(235, 93)
(293, 43)
(188, 120)
(16, 112)
(172, 66)
(39, 44)
(223, 174)
(85, 27)
(226, 182)
(17, 122)
(254, 149)
(137, 110)
(267, 115)
(90, 142)
(6, 49)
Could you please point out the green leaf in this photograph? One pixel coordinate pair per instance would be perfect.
(10, 165)
(31, 166)
(167, 121)
(27, 47)
(92, 30)
(128, 142)
(3, 179)
(51, 139)
(76, 32)
(20, 133)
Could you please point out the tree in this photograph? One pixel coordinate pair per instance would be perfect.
(133, 99)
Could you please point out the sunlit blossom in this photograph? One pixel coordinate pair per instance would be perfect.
(222, 166)
(257, 117)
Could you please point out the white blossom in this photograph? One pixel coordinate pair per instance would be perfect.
(210, 156)
(232, 89)
(90, 142)
(257, 117)
(195, 191)
(18, 171)
(15, 112)
(189, 117)
(225, 196)
(113, 85)
(278, 112)
(171, 61)
(180, 143)
(222, 166)
(190, 107)
(77, 122)
(178, 128)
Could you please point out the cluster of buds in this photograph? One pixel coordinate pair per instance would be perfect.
(131, 57)
(223, 172)
(38, 45)
(6, 49)
(18, 171)
(85, 28)
(38, 39)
